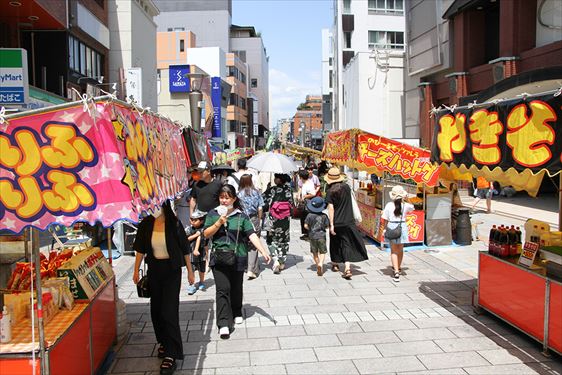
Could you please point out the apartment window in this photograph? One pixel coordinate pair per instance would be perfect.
(241, 55)
(330, 61)
(170, 29)
(242, 78)
(254, 83)
(346, 6)
(386, 6)
(182, 45)
(84, 59)
(330, 78)
(386, 39)
(347, 39)
(179, 28)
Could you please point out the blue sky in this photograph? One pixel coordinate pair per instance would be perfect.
(291, 32)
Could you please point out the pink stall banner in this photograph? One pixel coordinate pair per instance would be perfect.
(102, 164)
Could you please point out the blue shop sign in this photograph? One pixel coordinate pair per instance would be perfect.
(216, 100)
(179, 81)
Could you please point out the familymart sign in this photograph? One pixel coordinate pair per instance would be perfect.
(14, 87)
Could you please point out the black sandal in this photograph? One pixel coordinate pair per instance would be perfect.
(168, 366)
(347, 274)
(161, 352)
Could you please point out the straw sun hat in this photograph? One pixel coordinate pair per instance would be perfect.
(398, 192)
(334, 175)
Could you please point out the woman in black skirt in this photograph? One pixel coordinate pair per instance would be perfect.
(346, 244)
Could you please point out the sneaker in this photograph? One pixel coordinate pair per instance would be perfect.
(251, 275)
(224, 333)
(201, 287)
(238, 320)
(191, 290)
(396, 277)
(281, 266)
(276, 268)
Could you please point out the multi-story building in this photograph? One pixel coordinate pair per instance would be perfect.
(465, 51)
(248, 46)
(134, 46)
(327, 78)
(240, 134)
(284, 129)
(307, 122)
(211, 21)
(67, 45)
(368, 53)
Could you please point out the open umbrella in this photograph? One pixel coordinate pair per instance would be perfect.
(272, 163)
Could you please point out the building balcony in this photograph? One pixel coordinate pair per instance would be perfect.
(347, 22)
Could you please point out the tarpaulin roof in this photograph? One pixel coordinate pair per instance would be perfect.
(515, 142)
(372, 153)
(97, 162)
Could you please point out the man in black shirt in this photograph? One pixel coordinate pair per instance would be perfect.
(205, 192)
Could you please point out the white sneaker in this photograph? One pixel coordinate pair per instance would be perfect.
(224, 333)
(238, 320)
(251, 275)
(276, 268)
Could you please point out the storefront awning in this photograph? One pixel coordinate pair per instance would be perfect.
(98, 162)
(368, 152)
(515, 142)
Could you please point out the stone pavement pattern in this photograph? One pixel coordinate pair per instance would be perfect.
(299, 323)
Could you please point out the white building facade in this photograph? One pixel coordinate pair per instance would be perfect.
(133, 44)
(368, 66)
(327, 78)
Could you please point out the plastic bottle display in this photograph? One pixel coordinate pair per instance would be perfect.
(491, 240)
(5, 327)
(512, 234)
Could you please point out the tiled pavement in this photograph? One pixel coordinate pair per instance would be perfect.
(299, 323)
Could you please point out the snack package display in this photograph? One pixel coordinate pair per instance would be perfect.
(17, 304)
(49, 308)
(60, 287)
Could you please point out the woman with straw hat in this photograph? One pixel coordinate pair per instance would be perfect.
(394, 215)
(346, 244)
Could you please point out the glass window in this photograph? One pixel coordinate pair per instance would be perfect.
(242, 78)
(346, 6)
(71, 53)
(254, 82)
(386, 6)
(82, 59)
(98, 64)
(76, 54)
(170, 29)
(88, 62)
(182, 45)
(386, 39)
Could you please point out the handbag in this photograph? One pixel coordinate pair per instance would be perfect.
(143, 287)
(356, 211)
(228, 257)
(267, 223)
(394, 233)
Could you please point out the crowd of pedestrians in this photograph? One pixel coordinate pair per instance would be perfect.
(217, 225)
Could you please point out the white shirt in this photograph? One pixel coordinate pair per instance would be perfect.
(159, 249)
(388, 213)
(239, 175)
(308, 188)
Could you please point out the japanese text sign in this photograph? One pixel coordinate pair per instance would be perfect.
(520, 134)
(528, 254)
(68, 165)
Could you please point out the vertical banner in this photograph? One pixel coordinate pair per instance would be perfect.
(216, 99)
(134, 85)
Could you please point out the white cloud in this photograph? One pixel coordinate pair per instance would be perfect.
(286, 93)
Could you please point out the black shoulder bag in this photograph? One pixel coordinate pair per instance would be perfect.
(227, 258)
(394, 233)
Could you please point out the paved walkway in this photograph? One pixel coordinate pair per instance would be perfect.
(299, 323)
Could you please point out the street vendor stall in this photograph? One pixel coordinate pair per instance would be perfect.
(300, 152)
(515, 142)
(94, 161)
(374, 154)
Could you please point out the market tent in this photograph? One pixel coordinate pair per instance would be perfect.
(368, 152)
(300, 151)
(514, 141)
(98, 161)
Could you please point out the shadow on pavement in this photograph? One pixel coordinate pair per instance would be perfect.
(456, 298)
(139, 351)
(251, 310)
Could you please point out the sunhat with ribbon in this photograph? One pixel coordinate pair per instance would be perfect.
(334, 175)
(398, 192)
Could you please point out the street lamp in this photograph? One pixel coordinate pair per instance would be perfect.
(195, 99)
(302, 127)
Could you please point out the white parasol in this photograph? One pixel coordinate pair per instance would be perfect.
(272, 163)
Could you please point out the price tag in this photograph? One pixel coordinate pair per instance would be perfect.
(528, 254)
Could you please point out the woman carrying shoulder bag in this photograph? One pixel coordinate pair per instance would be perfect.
(230, 231)
(396, 232)
(162, 242)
